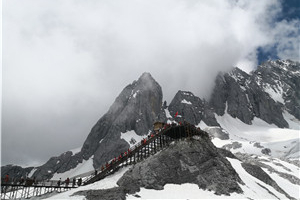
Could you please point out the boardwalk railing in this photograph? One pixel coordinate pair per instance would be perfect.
(16, 191)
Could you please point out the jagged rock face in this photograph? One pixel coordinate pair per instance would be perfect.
(281, 79)
(261, 94)
(191, 108)
(15, 171)
(189, 161)
(134, 109)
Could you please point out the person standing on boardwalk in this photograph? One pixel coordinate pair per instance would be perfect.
(74, 182)
(79, 182)
(59, 182)
(67, 182)
(6, 179)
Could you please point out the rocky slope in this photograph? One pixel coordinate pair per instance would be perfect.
(191, 161)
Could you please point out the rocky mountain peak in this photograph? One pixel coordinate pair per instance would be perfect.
(191, 108)
(238, 75)
(146, 76)
(135, 109)
(265, 93)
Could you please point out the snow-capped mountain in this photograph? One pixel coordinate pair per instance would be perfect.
(247, 114)
(266, 93)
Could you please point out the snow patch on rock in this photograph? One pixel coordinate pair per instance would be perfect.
(131, 137)
(186, 102)
(168, 115)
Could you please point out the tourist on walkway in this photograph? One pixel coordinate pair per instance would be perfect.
(74, 182)
(6, 179)
(67, 181)
(79, 182)
(59, 182)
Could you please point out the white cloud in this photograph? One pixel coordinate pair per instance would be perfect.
(71, 58)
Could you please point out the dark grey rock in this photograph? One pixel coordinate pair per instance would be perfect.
(217, 132)
(136, 108)
(117, 193)
(191, 109)
(234, 145)
(266, 151)
(189, 161)
(282, 75)
(245, 96)
(257, 144)
(59, 164)
(226, 153)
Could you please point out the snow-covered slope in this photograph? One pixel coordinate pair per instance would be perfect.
(260, 138)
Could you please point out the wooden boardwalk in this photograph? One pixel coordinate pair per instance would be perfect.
(18, 191)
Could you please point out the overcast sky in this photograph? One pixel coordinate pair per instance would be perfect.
(65, 61)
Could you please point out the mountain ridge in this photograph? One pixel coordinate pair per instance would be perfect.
(242, 96)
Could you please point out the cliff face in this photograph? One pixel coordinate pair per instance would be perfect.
(192, 109)
(135, 109)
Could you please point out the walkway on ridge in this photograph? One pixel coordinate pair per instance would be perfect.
(142, 150)
(146, 148)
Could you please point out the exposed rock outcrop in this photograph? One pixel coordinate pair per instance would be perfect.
(192, 109)
(188, 161)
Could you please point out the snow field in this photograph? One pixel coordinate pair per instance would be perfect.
(258, 131)
(284, 143)
(85, 166)
(174, 191)
(108, 182)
